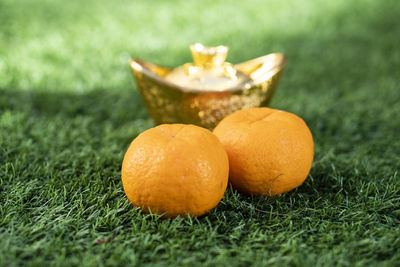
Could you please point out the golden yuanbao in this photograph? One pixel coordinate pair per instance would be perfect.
(175, 169)
(270, 151)
(204, 92)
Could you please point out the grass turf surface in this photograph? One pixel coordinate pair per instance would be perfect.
(69, 109)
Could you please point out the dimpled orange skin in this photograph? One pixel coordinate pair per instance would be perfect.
(175, 169)
(270, 151)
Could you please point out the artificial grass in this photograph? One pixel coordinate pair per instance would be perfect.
(69, 109)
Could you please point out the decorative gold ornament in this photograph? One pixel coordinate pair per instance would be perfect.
(206, 91)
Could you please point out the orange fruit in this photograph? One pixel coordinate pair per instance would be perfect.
(175, 169)
(270, 151)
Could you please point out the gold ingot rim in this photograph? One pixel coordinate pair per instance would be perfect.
(247, 67)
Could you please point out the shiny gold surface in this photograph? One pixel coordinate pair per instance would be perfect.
(207, 56)
(171, 103)
(208, 71)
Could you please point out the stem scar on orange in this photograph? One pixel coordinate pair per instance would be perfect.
(175, 169)
(270, 151)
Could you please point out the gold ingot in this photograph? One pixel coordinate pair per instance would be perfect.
(205, 92)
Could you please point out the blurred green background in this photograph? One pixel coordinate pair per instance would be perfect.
(69, 109)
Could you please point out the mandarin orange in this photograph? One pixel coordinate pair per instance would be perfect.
(175, 169)
(270, 151)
